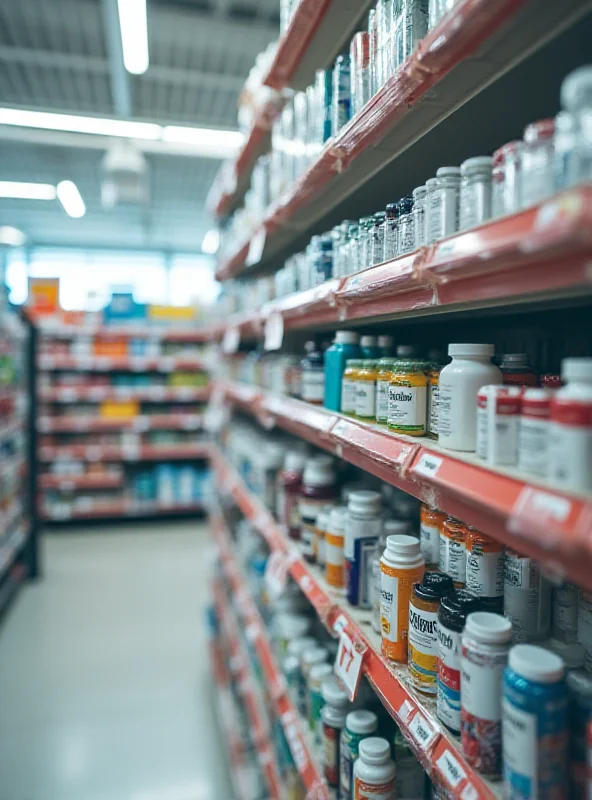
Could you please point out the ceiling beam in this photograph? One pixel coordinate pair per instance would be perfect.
(120, 82)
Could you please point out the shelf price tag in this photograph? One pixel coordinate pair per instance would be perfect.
(428, 465)
(295, 744)
(276, 573)
(451, 770)
(274, 331)
(422, 731)
(348, 664)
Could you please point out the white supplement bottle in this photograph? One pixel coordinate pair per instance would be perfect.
(460, 381)
(534, 432)
(571, 427)
(498, 419)
(364, 526)
(374, 771)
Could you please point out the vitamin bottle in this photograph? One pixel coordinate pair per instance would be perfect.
(345, 345)
(444, 217)
(333, 716)
(391, 226)
(289, 488)
(406, 226)
(374, 771)
(485, 646)
(430, 525)
(391, 527)
(527, 598)
(364, 524)
(401, 566)
(454, 609)
(366, 377)
(359, 725)
(498, 419)
(312, 375)
(334, 548)
(564, 623)
(433, 375)
(376, 249)
(431, 211)
(516, 371)
(460, 381)
(384, 371)
(423, 629)
(571, 427)
(317, 675)
(349, 385)
(485, 570)
(407, 399)
(534, 432)
(308, 659)
(453, 550)
(369, 347)
(385, 346)
(534, 729)
(319, 486)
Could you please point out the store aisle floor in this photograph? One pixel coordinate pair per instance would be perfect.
(105, 691)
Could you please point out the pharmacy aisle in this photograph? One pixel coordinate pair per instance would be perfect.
(103, 685)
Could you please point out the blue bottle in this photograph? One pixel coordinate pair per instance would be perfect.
(345, 345)
(369, 347)
(534, 725)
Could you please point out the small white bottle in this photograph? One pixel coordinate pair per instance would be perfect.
(571, 427)
(460, 381)
(533, 437)
(444, 218)
(475, 191)
(374, 770)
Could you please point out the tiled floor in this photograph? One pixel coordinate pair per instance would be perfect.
(105, 691)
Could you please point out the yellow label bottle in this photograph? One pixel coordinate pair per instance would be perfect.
(348, 386)
(384, 372)
(408, 399)
(401, 566)
(366, 389)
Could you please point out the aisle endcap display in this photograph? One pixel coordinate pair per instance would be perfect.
(553, 526)
(438, 753)
(542, 249)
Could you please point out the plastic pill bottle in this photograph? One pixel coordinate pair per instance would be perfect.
(527, 598)
(321, 528)
(385, 346)
(391, 527)
(430, 526)
(349, 385)
(431, 211)
(319, 487)
(485, 646)
(498, 420)
(534, 432)
(308, 659)
(507, 179)
(453, 550)
(516, 371)
(345, 345)
(433, 374)
(571, 427)
(475, 191)
(406, 226)
(359, 725)
(407, 399)
(460, 381)
(401, 566)
(576, 99)
(288, 490)
(366, 377)
(317, 675)
(334, 548)
(564, 623)
(446, 203)
(369, 347)
(419, 197)
(534, 729)
(333, 716)
(391, 228)
(485, 570)
(312, 375)
(384, 371)
(538, 178)
(454, 609)
(364, 525)
(374, 771)
(423, 629)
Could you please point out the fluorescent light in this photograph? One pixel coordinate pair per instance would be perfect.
(133, 24)
(12, 236)
(76, 124)
(70, 198)
(211, 242)
(18, 190)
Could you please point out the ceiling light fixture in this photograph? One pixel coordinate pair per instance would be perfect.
(133, 24)
(18, 190)
(76, 124)
(211, 242)
(70, 198)
(12, 237)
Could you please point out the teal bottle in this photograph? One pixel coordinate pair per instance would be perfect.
(345, 345)
(369, 347)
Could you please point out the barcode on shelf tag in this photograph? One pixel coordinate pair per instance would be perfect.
(405, 711)
(422, 731)
(231, 340)
(428, 465)
(469, 793)
(348, 664)
(276, 573)
(256, 246)
(451, 770)
(340, 624)
(274, 331)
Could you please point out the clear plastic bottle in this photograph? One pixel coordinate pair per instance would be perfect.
(538, 180)
(444, 212)
(475, 192)
(377, 238)
(406, 238)
(576, 99)
(419, 200)
(431, 211)
(507, 179)
(374, 771)
(391, 224)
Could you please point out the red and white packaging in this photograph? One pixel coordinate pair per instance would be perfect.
(534, 434)
(571, 427)
(498, 416)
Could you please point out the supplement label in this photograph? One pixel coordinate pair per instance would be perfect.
(453, 558)
(565, 613)
(433, 408)
(429, 538)
(520, 751)
(313, 386)
(423, 657)
(382, 401)
(407, 408)
(449, 651)
(485, 570)
(527, 598)
(571, 455)
(533, 446)
(395, 591)
(366, 399)
(358, 573)
(334, 561)
(331, 754)
(348, 396)
(373, 791)
(444, 412)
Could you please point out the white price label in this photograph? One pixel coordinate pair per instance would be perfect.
(348, 664)
(231, 340)
(428, 465)
(276, 573)
(422, 731)
(405, 710)
(274, 331)
(340, 624)
(256, 246)
(452, 771)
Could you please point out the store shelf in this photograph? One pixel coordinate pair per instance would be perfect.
(116, 453)
(552, 526)
(48, 363)
(9, 517)
(115, 394)
(470, 47)
(116, 509)
(438, 751)
(539, 253)
(56, 330)
(82, 423)
(72, 483)
(244, 607)
(10, 547)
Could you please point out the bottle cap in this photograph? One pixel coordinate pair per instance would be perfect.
(403, 545)
(392, 211)
(320, 671)
(396, 527)
(365, 502)
(576, 88)
(448, 172)
(576, 369)
(572, 655)
(385, 341)
(434, 586)
(405, 351)
(476, 164)
(536, 664)
(419, 192)
(338, 520)
(460, 602)
(515, 358)
(346, 337)
(361, 721)
(431, 184)
(487, 627)
(539, 131)
(471, 350)
(375, 750)
(368, 341)
(333, 694)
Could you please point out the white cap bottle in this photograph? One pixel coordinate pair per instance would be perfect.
(571, 427)
(374, 770)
